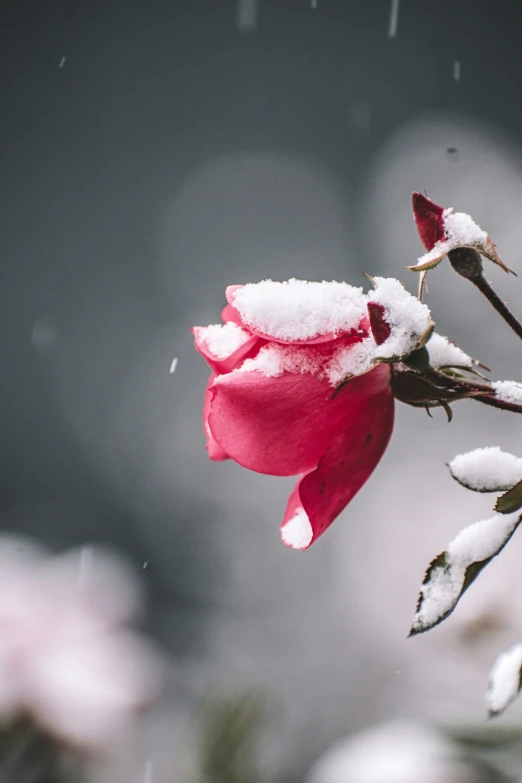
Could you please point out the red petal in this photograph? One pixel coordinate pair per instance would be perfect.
(429, 220)
(230, 313)
(347, 463)
(215, 451)
(282, 426)
(230, 362)
(380, 327)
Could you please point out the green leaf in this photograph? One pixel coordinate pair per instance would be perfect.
(229, 726)
(451, 573)
(511, 500)
(419, 359)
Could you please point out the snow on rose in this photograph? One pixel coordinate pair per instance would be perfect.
(304, 376)
(304, 379)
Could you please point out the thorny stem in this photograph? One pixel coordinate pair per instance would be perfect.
(468, 264)
(500, 306)
(489, 399)
(496, 403)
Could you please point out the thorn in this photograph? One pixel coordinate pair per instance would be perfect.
(449, 412)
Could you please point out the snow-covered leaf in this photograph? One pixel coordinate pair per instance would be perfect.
(454, 570)
(511, 500)
(505, 680)
(487, 470)
(443, 353)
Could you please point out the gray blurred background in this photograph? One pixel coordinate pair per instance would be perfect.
(155, 151)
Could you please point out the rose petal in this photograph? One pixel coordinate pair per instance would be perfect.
(347, 463)
(380, 327)
(429, 220)
(283, 425)
(228, 314)
(228, 362)
(215, 452)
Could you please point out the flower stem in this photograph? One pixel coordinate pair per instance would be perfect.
(496, 403)
(500, 306)
(468, 264)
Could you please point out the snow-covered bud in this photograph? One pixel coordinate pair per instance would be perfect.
(443, 231)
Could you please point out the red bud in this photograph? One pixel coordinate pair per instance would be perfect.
(429, 220)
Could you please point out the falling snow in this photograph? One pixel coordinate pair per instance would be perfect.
(394, 18)
(84, 567)
(456, 70)
(148, 772)
(246, 16)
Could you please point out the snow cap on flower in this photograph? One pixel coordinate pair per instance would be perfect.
(67, 660)
(400, 323)
(298, 311)
(442, 230)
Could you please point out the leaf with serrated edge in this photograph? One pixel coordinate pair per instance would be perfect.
(505, 680)
(511, 501)
(453, 571)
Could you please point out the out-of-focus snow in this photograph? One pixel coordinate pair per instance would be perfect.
(504, 679)
(395, 752)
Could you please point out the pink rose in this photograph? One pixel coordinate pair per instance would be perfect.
(300, 385)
